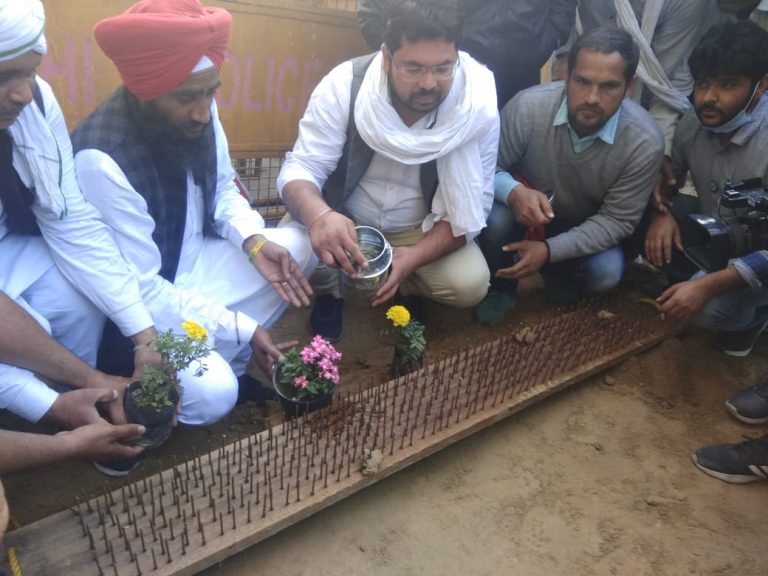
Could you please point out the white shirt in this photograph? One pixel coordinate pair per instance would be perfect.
(387, 185)
(125, 211)
(81, 244)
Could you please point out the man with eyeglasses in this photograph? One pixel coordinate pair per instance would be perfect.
(403, 140)
(598, 150)
(514, 38)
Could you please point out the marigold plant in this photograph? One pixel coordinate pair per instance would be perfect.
(410, 344)
(159, 385)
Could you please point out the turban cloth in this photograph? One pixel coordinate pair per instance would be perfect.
(156, 44)
(21, 28)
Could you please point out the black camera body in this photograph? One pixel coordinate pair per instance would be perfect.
(711, 242)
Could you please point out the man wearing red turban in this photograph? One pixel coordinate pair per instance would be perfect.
(153, 158)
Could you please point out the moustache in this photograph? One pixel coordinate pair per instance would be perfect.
(710, 108)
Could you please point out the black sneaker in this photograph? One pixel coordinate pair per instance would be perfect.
(735, 463)
(119, 468)
(326, 317)
(750, 405)
(739, 342)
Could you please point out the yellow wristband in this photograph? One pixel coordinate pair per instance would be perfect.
(256, 249)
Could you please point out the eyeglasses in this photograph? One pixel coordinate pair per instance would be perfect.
(416, 72)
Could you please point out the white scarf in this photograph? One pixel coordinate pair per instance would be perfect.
(37, 158)
(649, 70)
(21, 28)
(468, 111)
(36, 154)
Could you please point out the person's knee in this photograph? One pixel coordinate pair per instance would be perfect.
(208, 396)
(603, 272)
(501, 227)
(296, 240)
(469, 290)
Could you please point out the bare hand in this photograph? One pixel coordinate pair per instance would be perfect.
(531, 207)
(404, 262)
(663, 235)
(334, 240)
(662, 191)
(104, 441)
(3, 513)
(119, 385)
(78, 407)
(267, 353)
(533, 256)
(277, 266)
(683, 300)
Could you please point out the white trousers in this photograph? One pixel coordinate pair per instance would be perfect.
(221, 273)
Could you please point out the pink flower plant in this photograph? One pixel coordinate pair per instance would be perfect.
(313, 370)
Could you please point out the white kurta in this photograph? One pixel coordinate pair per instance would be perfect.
(81, 247)
(214, 277)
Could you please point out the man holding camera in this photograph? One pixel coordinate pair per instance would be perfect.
(722, 140)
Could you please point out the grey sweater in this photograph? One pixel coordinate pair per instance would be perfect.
(604, 190)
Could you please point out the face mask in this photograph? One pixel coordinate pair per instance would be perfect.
(743, 117)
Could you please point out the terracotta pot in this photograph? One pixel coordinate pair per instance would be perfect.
(158, 424)
(294, 407)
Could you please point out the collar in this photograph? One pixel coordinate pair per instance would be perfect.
(607, 132)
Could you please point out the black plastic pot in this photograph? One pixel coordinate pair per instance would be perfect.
(294, 407)
(158, 424)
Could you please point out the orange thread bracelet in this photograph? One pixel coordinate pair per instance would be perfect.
(323, 213)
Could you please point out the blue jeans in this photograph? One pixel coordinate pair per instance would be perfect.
(740, 309)
(564, 282)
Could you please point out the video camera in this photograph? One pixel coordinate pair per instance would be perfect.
(711, 242)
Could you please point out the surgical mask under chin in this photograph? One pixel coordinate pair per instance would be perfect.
(743, 117)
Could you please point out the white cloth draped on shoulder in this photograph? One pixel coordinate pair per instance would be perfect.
(468, 111)
(37, 158)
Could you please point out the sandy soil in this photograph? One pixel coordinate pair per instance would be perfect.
(594, 480)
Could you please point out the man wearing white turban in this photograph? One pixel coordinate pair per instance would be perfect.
(47, 231)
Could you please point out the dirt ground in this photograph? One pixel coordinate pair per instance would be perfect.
(595, 480)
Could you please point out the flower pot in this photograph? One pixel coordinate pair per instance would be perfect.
(294, 407)
(158, 423)
(401, 368)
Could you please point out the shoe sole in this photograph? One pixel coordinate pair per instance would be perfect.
(743, 353)
(735, 413)
(729, 478)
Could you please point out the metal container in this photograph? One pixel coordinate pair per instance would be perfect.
(378, 252)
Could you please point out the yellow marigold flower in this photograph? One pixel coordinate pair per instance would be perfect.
(399, 315)
(195, 331)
